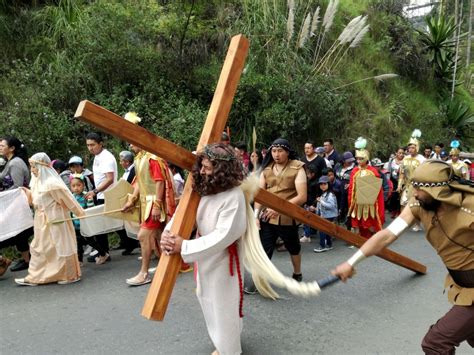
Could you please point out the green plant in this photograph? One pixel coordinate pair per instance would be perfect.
(458, 117)
(440, 46)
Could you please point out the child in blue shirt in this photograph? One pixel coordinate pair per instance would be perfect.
(77, 189)
(326, 208)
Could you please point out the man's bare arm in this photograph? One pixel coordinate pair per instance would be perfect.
(376, 243)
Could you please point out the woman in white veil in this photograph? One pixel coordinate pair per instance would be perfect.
(53, 249)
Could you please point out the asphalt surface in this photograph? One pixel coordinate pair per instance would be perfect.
(384, 310)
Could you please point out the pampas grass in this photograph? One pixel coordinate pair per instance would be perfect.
(329, 14)
(383, 77)
(376, 78)
(304, 33)
(315, 22)
(347, 35)
(358, 38)
(328, 20)
(290, 23)
(353, 33)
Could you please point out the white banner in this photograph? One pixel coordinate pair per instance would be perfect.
(100, 224)
(15, 213)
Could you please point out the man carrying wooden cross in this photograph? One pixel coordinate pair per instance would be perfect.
(227, 238)
(164, 279)
(221, 221)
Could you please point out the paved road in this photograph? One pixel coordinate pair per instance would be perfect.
(383, 310)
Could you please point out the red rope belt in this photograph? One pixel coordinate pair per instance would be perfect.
(234, 256)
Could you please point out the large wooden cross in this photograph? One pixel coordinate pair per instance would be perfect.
(161, 288)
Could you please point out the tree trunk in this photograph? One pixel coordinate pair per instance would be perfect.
(457, 34)
(468, 47)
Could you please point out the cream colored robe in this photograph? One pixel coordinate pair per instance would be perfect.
(54, 248)
(221, 220)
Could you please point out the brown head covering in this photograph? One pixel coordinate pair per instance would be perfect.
(437, 179)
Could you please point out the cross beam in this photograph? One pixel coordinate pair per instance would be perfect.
(165, 277)
(115, 125)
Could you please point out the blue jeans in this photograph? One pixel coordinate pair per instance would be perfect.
(308, 231)
(325, 239)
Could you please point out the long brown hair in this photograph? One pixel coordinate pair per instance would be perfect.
(228, 172)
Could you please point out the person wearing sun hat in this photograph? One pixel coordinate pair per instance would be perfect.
(445, 207)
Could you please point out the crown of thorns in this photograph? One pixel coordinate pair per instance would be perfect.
(215, 155)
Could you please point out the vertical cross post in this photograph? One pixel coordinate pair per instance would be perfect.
(163, 282)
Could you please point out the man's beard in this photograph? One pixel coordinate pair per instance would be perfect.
(206, 185)
(431, 205)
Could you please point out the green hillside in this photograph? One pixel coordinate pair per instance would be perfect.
(162, 60)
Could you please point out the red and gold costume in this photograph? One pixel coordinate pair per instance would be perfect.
(149, 170)
(365, 217)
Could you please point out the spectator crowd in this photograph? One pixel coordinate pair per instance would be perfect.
(352, 188)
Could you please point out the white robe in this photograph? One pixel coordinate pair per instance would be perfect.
(221, 220)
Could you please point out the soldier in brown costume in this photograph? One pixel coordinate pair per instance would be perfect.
(284, 176)
(445, 207)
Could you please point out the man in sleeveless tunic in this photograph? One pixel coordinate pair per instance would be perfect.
(284, 176)
(221, 222)
(445, 207)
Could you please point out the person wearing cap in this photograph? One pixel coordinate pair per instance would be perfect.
(444, 155)
(366, 206)
(343, 173)
(446, 209)
(327, 208)
(283, 175)
(76, 166)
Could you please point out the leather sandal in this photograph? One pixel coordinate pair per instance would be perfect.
(140, 279)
